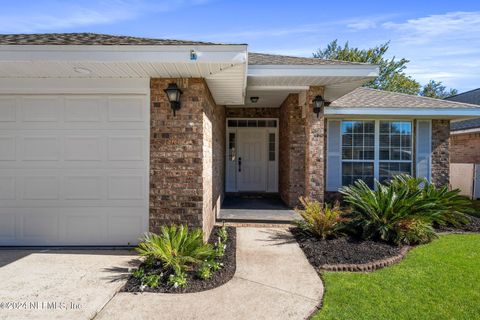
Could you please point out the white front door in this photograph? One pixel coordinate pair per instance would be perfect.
(251, 167)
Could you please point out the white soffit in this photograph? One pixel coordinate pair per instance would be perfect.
(222, 66)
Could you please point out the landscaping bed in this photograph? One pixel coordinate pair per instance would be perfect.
(472, 226)
(194, 283)
(343, 250)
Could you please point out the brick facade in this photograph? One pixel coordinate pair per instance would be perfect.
(465, 147)
(440, 152)
(292, 146)
(252, 112)
(315, 148)
(186, 172)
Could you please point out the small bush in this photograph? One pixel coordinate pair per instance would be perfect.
(176, 247)
(320, 220)
(178, 280)
(223, 234)
(403, 209)
(138, 273)
(205, 271)
(151, 280)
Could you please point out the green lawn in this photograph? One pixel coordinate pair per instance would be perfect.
(440, 280)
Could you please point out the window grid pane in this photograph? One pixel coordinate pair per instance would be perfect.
(271, 147)
(358, 150)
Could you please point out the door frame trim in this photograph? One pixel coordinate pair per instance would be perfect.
(231, 186)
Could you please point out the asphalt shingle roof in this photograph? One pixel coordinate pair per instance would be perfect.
(89, 39)
(465, 124)
(373, 98)
(274, 59)
(472, 96)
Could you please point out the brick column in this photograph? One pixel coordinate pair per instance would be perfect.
(440, 152)
(186, 156)
(315, 148)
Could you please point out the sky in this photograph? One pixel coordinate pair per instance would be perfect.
(440, 38)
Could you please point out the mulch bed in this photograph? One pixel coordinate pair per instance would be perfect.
(343, 250)
(194, 284)
(473, 226)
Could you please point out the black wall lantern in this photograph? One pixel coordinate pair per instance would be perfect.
(318, 104)
(173, 93)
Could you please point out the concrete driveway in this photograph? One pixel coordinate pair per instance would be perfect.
(60, 284)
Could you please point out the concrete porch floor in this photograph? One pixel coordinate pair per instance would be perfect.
(255, 208)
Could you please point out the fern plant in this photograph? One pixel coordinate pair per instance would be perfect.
(176, 247)
(320, 220)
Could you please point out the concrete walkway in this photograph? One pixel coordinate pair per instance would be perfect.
(273, 281)
(60, 284)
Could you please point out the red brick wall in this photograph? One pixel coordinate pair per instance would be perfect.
(252, 112)
(182, 150)
(440, 152)
(465, 147)
(292, 146)
(315, 148)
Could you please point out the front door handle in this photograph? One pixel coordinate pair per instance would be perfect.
(239, 164)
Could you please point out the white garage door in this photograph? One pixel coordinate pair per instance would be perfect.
(73, 169)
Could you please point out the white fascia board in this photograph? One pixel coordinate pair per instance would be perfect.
(234, 54)
(313, 71)
(473, 130)
(446, 113)
(277, 88)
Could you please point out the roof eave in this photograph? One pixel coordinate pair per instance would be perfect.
(403, 111)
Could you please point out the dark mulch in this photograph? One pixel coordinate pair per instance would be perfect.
(472, 226)
(194, 284)
(343, 250)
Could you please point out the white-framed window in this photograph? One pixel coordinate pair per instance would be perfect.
(375, 149)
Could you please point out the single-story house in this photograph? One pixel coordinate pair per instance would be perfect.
(103, 138)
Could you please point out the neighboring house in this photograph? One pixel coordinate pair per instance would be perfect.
(92, 154)
(465, 135)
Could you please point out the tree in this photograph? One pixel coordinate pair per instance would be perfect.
(391, 76)
(434, 89)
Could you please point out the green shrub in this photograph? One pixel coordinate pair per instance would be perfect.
(151, 280)
(403, 209)
(176, 247)
(178, 280)
(205, 271)
(138, 273)
(320, 220)
(223, 234)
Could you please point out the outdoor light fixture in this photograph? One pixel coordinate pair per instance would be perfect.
(173, 93)
(254, 99)
(318, 104)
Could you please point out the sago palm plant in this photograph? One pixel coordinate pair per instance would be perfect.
(176, 247)
(403, 209)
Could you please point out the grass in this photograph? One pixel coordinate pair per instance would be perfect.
(440, 280)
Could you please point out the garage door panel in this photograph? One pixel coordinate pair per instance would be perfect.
(7, 148)
(73, 169)
(126, 109)
(84, 109)
(7, 224)
(41, 109)
(40, 148)
(8, 107)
